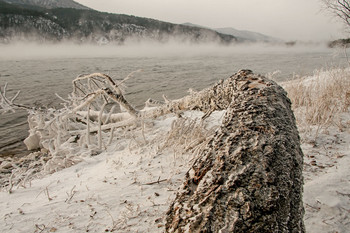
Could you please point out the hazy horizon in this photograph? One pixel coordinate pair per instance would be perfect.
(287, 19)
(36, 50)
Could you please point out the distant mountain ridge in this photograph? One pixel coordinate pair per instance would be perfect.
(242, 35)
(49, 3)
(248, 35)
(31, 22)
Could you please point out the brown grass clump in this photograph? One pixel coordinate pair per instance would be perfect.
(321, 99)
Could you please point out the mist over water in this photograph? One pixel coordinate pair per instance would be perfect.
(32, 50)
(40, 71)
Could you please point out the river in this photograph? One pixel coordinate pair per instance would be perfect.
(41, 71)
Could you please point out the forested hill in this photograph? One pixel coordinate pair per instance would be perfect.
(33, 23)
(49, 3)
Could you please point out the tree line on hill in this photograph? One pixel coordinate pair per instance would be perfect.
(28, 22)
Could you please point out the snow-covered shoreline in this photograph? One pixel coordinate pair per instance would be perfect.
(128, 187)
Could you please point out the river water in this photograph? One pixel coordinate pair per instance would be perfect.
(40, 72)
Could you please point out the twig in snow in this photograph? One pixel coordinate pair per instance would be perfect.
(71, 194)
(40, 227)
(114, 223)
(313, 207)
(47, 194)
(343, 194)
(46, 191)
(156, 182)
(10, 183)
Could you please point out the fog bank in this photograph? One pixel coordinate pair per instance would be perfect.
(23, 50)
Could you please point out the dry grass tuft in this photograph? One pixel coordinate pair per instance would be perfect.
(320, 99)
(187, 134)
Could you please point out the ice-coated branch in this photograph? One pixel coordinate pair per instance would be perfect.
(86, 112)
(84, 117)
(7, 104)
(104, 87)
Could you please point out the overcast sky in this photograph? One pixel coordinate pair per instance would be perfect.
(285, 19)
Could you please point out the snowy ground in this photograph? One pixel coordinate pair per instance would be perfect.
(129, 187)
(327, 180)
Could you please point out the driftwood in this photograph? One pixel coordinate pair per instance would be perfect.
(248, 178)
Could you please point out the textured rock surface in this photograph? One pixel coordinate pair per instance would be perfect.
(249, 176)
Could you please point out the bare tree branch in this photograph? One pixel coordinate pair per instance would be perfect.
(340, 8)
